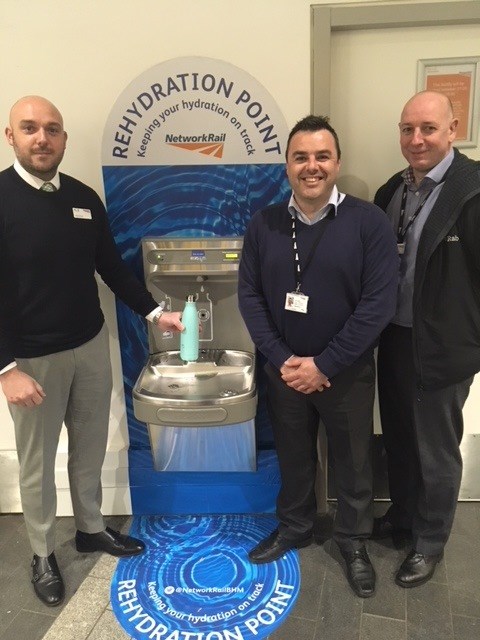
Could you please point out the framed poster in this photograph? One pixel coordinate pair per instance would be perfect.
(459, 79)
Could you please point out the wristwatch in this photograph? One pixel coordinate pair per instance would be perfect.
(157, 317)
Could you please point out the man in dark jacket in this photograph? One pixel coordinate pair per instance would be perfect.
(430, 352)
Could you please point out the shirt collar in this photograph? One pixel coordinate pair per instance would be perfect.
(436, 174)
(33, 181)
(335, 199)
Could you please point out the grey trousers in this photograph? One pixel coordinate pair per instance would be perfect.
(422, 432)
(78, 385)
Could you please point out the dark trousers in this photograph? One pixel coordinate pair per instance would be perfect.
(422, 431)
(346, 410)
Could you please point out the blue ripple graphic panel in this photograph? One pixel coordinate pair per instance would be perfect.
(183, 201)
(186, 201)
(195, 580)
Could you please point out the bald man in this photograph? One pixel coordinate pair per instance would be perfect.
(54, 350)
(430, 352)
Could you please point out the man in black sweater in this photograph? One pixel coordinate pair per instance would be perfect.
(430, 352)
(54, 350)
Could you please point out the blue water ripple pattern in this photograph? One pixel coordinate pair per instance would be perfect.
(195, 580)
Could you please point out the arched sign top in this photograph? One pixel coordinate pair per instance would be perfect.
(194, 111)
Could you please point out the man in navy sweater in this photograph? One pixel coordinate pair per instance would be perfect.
(54, 350)
(318, 281)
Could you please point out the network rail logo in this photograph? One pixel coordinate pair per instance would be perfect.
(210, 144)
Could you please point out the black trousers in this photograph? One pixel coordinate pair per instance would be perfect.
(346, 410)
(422, 431)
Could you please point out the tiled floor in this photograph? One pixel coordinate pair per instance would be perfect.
(446, 608)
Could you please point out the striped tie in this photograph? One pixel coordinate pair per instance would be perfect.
(48, 186)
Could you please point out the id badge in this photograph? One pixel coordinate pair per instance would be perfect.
(297, 302)
(401, 248)
(82, 214)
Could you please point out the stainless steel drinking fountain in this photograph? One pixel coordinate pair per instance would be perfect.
(200, 415)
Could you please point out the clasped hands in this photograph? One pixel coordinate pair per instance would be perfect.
(302, 374)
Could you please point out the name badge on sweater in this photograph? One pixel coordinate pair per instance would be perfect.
(296, 302)
(84, 214)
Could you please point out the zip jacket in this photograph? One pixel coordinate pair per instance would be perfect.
(446, 296)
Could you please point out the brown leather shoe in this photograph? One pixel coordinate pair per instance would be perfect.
(47, 580)
(417, 569)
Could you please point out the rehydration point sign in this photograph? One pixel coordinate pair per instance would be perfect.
(194, 110)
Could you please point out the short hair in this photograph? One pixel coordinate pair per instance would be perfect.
(314, 123)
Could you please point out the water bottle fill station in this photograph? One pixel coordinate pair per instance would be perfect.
(200, 414)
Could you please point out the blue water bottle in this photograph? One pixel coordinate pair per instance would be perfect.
(189, 336)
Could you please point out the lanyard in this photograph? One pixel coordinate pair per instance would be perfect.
(401, 232)
(299, 272)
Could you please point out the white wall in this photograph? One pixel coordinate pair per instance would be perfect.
(81, 55)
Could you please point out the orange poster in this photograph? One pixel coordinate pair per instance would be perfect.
(457, 86)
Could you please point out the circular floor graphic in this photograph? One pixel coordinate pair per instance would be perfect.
(195, 582)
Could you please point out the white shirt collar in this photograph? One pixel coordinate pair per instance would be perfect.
(33, 181)
(335, 199)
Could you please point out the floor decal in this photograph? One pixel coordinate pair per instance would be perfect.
(195, 582)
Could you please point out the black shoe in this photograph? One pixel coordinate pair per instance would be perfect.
(417, 569)
(275, 546)
(360, 572)
(47, 581)
(383, 528)
(112, 542)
